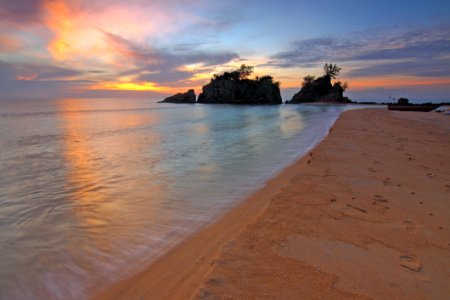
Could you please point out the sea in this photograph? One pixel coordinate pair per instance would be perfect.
(93, 189)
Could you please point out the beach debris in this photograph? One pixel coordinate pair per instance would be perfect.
(378, 198)
(310, 157)
(410, 262)
(357, 208)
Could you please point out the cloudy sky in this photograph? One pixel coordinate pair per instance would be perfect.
(151, 48)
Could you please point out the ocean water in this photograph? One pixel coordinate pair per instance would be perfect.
(91, 189)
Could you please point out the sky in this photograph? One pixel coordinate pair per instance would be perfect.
(153, 48)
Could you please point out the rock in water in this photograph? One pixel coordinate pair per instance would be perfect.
(320, 90)
(232, 90)
(188, 97)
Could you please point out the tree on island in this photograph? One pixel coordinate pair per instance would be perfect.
(243, 72)
(308, 79)
(332, 70)
(344, 85)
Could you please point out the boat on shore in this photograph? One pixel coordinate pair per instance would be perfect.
(413, 107)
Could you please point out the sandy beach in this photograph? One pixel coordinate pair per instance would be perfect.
(365, 215)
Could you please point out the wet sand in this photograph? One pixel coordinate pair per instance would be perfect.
(365, 215)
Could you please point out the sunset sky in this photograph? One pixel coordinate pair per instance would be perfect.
(109, 48)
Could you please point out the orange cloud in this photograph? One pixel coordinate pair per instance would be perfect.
(79, 33)
(27, 77)
(59, 20)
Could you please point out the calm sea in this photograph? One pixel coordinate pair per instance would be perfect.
(90, 189)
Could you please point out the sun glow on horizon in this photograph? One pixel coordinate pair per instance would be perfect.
(131, 86)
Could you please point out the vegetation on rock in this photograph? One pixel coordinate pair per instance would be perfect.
(236, 87)
(321, 89)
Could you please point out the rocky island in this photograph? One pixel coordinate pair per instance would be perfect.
(321, 89)
(188, 97)
(236, 88)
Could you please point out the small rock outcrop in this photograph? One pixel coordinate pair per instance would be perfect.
(320, 90)
(188, 97)
(235, 88)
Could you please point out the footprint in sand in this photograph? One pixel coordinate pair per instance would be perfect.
(387, 181)
(410, 262)
(379, 198)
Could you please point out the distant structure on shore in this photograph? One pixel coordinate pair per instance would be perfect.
(234, 88)
(321, 89)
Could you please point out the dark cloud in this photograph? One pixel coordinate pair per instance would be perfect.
(425, 68)
(306, 53)
(31, 71)
(422, 52)
(19, 80)
(162, 65)
(165, 76)
(21, 11)
(417, 50)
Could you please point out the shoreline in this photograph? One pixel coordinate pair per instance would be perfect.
(186, 264)
(208, 263)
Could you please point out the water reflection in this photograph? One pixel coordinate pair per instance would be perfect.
(113, 199)
(291, 122)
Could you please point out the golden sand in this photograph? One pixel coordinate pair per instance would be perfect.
(365, 215)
